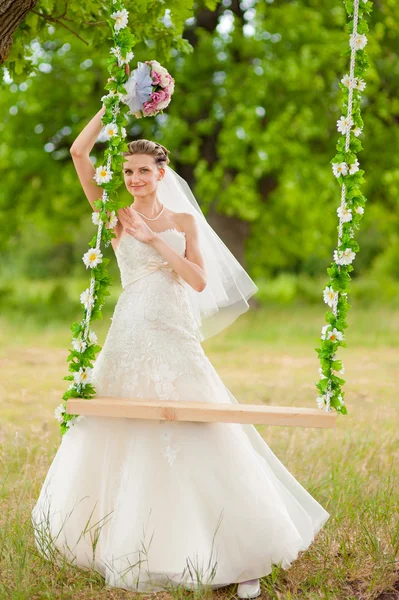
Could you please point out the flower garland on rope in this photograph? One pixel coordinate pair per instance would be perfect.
(345, 166)
(145, 93)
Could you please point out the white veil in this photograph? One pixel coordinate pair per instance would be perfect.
(228, 284)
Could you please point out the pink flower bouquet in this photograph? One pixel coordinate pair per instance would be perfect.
(149, 89)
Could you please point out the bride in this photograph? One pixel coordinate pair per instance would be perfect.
(152, 504)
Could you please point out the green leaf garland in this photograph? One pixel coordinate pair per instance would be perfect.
(350, 177)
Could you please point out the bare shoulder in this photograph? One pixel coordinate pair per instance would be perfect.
(187, 222)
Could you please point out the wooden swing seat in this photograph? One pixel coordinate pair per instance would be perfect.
(204, 412)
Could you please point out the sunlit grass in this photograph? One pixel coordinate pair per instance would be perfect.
(267, 356)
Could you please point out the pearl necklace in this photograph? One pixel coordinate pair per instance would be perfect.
(149, 218)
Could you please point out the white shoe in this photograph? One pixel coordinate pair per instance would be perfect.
(249, 589)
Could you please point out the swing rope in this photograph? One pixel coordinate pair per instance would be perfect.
(84, 343)
(346, 169)
(343, 186)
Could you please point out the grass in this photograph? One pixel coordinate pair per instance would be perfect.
(266, 356)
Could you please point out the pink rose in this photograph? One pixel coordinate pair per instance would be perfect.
(156, 78)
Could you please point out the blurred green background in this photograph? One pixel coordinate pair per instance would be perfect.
(252, 128)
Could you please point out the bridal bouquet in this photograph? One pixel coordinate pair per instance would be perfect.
(149, 89)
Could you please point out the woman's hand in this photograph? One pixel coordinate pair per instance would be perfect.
(135, 225)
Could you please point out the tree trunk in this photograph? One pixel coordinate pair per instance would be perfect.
(12, 13)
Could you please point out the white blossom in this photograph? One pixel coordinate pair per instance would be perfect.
(93, 339)
(121, 18)
(92, 258)
(95, 217)
(59, 413)
(358, 41)
(344, 213)
(321, 374)
(346, 80)
(359, 210)
(110, 130)
(324, 331)
(85, 298)
(335, 335)
(340, 169)
(103, 175)
(75, 419)
(357, 131)
(344, 257)
(79, 345)
(329, 295)
(113, 219)
(344, 124)
(121, 60)
(360, 85)
(354, 167)
(83, 376)
(320, 401)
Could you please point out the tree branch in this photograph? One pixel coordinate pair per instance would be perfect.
(52, 19)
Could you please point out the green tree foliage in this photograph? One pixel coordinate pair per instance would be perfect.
(252, 126)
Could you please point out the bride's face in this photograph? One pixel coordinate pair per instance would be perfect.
(141, 174)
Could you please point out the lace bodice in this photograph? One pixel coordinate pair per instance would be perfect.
(137, 259)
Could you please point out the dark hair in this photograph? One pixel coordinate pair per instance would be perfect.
(159, 152)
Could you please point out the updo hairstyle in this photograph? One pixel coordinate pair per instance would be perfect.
(157, 151)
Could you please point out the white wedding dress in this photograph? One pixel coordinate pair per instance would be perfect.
(150, 504)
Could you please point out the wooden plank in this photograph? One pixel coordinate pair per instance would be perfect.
(204, 412)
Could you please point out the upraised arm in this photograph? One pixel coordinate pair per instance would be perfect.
(80, 151)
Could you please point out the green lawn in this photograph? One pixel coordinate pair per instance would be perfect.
(265, 356)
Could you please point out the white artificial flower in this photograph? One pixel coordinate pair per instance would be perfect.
(320, 401)
(79, 345)
(85, 298)
(93, 339)
(335, 335)
(113, 219)
(340, 169)
(123, 132)
(359, 210)
(121, 60)
(360, 85)
(121, 18)
(92, 258)
(358, 41)
(324, 331)
(357, 131)
(344, 123)
(321, 374)
(103, 175)
(354, 167)
(344, 213)
(344, 257)
(71, 422)
(110, 131)
(346, 80)
(59, 413)
(83, 376)
(329, 295)
(95, 217)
